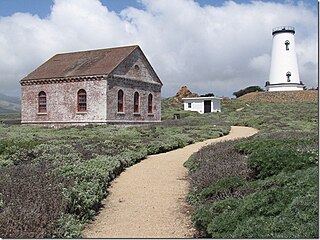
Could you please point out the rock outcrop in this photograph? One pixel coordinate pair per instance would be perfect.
(184, 92)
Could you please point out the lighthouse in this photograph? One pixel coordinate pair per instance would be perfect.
(284, 72)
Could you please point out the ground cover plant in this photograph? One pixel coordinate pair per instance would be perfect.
(265, 186)
(69, 168)
(52, 181)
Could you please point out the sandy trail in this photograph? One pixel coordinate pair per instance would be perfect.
(148, 200)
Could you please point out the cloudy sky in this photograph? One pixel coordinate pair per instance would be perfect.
(209, 46)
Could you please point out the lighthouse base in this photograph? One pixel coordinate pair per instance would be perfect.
(284, 87)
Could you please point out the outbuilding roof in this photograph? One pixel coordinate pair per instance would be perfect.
(201, 98)
(84, 63)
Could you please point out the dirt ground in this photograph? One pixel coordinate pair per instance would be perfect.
(148, 200)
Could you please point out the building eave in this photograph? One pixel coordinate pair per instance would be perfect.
(202, 98)
(24, 82)
(120, 77)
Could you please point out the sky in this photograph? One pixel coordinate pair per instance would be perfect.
(208, 46)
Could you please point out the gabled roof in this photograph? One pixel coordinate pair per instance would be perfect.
(85, 63)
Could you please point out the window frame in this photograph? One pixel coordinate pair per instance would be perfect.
(287, 43)
(150, 103)
(80, 103)
(120, 101)
(288, 74)
(189, 105)
(136, 103)
(42, 102)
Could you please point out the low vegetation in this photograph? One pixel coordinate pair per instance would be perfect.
(52, 181)
(265, 186)
(307, 96)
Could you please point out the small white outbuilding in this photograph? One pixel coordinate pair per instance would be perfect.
(202, 104)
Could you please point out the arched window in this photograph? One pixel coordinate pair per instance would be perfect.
(150, 103)
(287, 43)
(42, 102)
(288, 74)
(120, 101)
(136, 102)
(82, 100)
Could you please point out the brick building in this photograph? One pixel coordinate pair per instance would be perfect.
(115, 85)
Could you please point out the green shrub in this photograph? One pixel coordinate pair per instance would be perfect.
(170, 143)
(248, 90)
(208, 214)
(57, 152)
(270, 162)
(99, 169)
(268, 157)
(68, 227)
(275, 205)
(304, 210)
(9, 146)
(191, 164)
(130, 157)
(84, 199)
(5, 161)
(280, 202)
(91, 178)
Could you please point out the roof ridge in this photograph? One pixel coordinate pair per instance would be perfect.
(84, 63)
(100, 49)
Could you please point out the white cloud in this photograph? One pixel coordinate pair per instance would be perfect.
(209, 49)
(260, 63)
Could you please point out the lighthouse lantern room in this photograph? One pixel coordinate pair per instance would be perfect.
(284, 72)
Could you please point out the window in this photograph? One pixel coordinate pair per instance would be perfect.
(287, 43)
(42, 102)
(82, 100)
(189, 104)
(136, 102)
(150, 103)
(120, 101)
(288, 74)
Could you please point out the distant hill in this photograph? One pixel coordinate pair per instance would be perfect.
(288, 96)
(9, 104)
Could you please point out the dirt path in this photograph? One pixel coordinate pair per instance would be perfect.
(148, 199)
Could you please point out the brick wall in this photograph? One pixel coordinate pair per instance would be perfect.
(136, 67)
(134, 75)
(129, 87)
(62, 102)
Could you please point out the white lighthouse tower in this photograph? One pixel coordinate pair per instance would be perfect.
(284, 73)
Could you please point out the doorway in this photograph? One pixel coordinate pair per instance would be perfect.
(207, 106)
